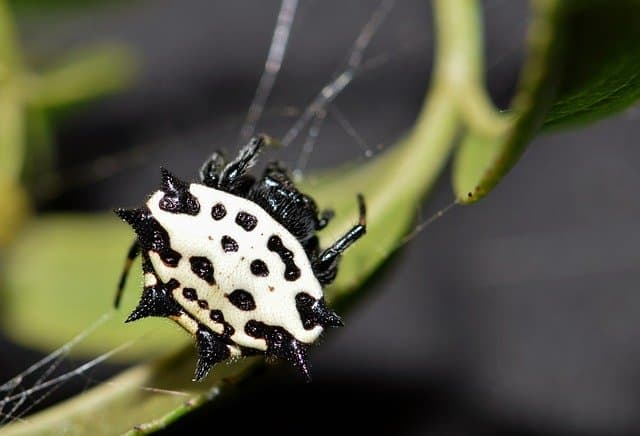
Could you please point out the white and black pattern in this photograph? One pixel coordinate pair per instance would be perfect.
(233, 267)
(236, 262)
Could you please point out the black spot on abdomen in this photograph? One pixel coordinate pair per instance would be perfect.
(218, 211)
(246, 221)
(259, 268)
(217, 316)
(229, 244)
(203, 268)
(242, 299)
(291, 272)
(190, 294)
(184, 202)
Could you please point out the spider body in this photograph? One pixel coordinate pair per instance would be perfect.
(236, 261)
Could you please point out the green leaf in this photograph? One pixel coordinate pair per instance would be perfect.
(600, 65)
(582, 65)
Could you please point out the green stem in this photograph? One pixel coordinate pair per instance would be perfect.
(12, 132)
(11, 107)
(462, 67)
(479, 171)
(10, 60)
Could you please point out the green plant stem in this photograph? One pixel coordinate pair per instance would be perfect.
(10, 59)
(12, 132)
(461, 68)
(11, 106)
(484, 159)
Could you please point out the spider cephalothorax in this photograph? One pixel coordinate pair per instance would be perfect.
(236, 261)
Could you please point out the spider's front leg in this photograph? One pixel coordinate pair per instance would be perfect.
(325, 266)
(211, 170)
(237, 168)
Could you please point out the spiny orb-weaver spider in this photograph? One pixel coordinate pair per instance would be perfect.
(236, 261)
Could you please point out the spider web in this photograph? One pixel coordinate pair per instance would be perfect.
(25, 391)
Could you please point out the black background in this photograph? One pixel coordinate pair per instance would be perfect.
(515, 315)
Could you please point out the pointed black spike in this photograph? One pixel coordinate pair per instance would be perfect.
(210, 351)
(151, 235)
(315, 312)
(133, 217)
(325, 316)
(156, 301)
(281, 344)
(297, 355)
(142, 311)
(177, 198)
(170, 184)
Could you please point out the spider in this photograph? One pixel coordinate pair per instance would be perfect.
(236, 261)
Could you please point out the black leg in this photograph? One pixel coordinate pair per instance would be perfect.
(134, 250)
(245, 160)
(325, 266)
(211, 169)
(276, 175)
(325, 218)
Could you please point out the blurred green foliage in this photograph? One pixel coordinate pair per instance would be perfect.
(27, 98)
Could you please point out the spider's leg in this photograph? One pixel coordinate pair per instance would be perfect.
(211, 170)
(278, 172)
(325, 218)
(245, 160)
(134, 250)
(325, 266)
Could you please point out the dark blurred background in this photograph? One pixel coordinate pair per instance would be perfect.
(518, 315)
